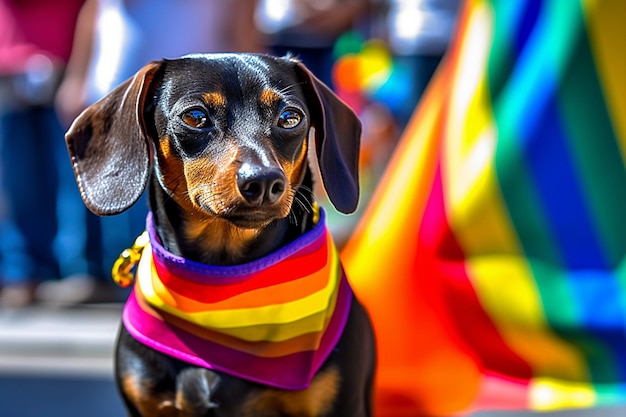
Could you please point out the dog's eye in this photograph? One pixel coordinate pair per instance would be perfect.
(195, 118)
(289, 119)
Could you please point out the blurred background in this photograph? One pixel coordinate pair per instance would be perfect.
(59, 309)
(59, 56)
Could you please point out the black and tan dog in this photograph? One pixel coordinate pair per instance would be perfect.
(221, 142)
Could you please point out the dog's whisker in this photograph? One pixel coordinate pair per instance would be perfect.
(302, 200)
(290, 88)
(306, 207)
(173, 185)
(303, 189)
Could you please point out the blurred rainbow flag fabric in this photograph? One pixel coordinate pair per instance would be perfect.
(492, 257)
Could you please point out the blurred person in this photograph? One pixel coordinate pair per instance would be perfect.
(309, 29)
(117, 37)
(418, 33)
(35, 44)
(114, 38)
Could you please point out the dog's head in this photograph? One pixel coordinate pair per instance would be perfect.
(227, 135)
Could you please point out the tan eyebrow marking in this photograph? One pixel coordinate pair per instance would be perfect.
(269, 97)
(215, 99)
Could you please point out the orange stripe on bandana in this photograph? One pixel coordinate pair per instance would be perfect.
(273, 321)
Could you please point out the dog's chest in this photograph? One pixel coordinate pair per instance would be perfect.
(273, 321)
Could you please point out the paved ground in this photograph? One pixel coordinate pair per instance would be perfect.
(57, 362)
(42, 341)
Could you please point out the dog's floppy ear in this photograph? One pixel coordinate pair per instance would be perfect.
(337, 141)
(109, 147)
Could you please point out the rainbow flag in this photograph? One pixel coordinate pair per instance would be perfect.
(273, 321)
(492, 256)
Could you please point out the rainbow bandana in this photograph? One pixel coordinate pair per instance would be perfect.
(273, 321)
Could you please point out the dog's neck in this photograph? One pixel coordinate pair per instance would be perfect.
(215, 241)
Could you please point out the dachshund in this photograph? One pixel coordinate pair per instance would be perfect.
(221, 142)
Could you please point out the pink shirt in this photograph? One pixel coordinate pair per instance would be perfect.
(30, 27)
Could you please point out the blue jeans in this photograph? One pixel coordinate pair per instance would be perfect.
(29, 186)
(44, 226)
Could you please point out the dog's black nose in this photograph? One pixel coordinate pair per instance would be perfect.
(260, 185)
